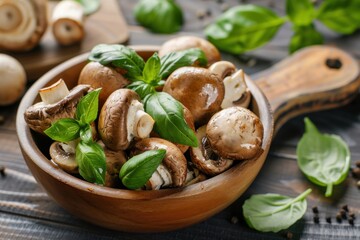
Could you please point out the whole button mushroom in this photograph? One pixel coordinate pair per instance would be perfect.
(205, 159)
(236, 91)
(122, 118)
(99, 76)
(235, 133)
(173, 169)
(13, 80)
(56, 102)
(201, 91)
(186, 42)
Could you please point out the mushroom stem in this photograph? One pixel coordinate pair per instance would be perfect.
(143, 124)
(160, 178)
(235, 88)
(54, 93)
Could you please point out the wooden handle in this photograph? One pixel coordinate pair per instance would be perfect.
(313, 79)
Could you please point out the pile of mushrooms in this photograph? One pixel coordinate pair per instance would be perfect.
(215, 101)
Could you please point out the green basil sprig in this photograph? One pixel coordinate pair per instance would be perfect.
(90, 6)
(89, 155)
(160, 16)
(273, 212)
(323, 158)
(139, 169)
(247, 27)
(169, 118)
(146, 77)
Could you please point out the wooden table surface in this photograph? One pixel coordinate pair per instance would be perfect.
(26, 212)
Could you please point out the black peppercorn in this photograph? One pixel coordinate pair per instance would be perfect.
(338, 218)
(234, 220)
(345, 207)
(315, 209)
(343, 213)
(333, 63)
(2, 171)
(351, 221)
(316, 219)
(328, 219)
(357, 163)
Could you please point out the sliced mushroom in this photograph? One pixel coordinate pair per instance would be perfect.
(99, 76)
(22, 23)
(205, 159)
(235, 133)
(187, 42)
(122, 118)
(173, 169)
(236, 91)
(194, 176)
(197, 89)
(63, 154)
(57, 102)
(68, 22)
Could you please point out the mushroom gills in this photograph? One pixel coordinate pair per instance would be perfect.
(160, 178)
(63, 154)
(139, 123)
(54, 93)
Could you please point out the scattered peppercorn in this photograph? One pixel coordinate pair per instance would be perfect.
(345, 207)
(2, 119)
(328, 219)
(315, 209)
(234, 220)
(333, 63)
(352, 215)
(338, 218)
(316, 219)
(2, 171)
(343, 213)
(351, 221)
(356, 172)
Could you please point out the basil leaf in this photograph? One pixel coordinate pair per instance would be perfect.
(141, 88)
(168, 114)
(90, 6)
(152, 69)
(274, 212)
(87, 108)
(243, 28)
(172, 61)
(92, 162)
(63, 130)
(301, 13)
(160, 16)
(340, 16)
(139, 169)
(86, 133)
(303, 37)
(323, 158)
(119, 56)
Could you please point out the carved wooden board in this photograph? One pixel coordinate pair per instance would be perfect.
(107, 25)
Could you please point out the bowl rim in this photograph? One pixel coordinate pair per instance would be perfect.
(28, 145)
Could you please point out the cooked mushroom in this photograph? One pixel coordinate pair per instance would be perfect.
(100, 76)
(205, 159)
(173, 169)
(63, 154)
(235, 133)
(197, 89)
(68, 22)
(13, 80)
(57, 102)
(122, 118)
(236, 91)
(187, 42)
(22, 23)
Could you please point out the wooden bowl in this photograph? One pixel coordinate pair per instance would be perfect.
(127, 210)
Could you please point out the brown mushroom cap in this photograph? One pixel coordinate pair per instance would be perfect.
(99, 76)
(174, 160)
(235, 133)
(203, 157)
(112, 125)
(40, 116)
(198, 89)
(187, 42)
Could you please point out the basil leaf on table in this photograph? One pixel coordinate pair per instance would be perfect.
(160, 16)
(64, 130)
(87, 108)
(340, 16)
(89, 6)
(168, 114)
(301, 13)
(152, 69)
(172, 61)
(304, 36)
(139, 169)
(91, 159)
(323, 158)
(273, 212)
(244, 28)
(119, 56)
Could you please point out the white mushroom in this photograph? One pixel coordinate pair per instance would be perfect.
(67, 22)
(13, 80)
